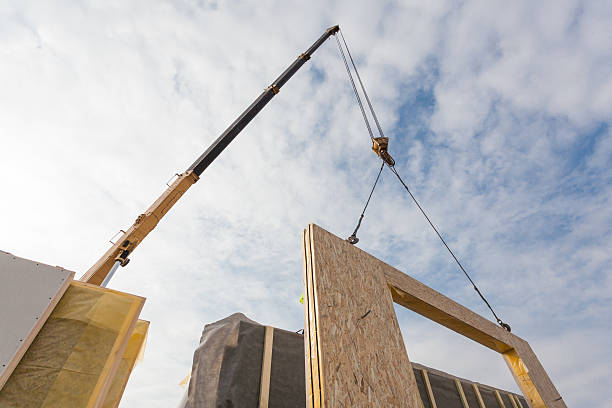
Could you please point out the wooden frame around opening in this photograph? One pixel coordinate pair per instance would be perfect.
(355, 354)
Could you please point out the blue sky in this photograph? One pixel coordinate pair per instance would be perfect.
(499, 116)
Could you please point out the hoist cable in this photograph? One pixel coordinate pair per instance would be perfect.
(353, 238)
(350, 75)
(501, 323)
(367, 98)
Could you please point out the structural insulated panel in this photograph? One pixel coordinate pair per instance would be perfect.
(28, 293)
(73, 360)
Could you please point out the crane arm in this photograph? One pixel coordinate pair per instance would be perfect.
(118, 253)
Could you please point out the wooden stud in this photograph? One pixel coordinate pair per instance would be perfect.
(110, 368)
(518, 402)
(526, 372)
(461, 394)
(352, 330)
(478, 396)
(91, 306)
(133, 354)
(511, 397)
(499, 399)
(266, 368)
(432, 400)
(311, 344)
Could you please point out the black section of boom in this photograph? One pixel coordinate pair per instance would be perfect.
(235, 128)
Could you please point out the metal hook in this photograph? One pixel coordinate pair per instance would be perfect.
(353, 239)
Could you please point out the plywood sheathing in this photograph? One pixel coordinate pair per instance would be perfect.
(29, 291)
(355, 354)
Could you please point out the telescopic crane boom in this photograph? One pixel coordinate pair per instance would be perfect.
(101, 272)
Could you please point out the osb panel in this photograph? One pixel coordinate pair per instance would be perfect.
(357, 355)
(313, 385)
(427, 302)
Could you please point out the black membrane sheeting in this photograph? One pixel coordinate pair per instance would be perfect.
(445, 391)
(226, 371)
(418, 376)
(488, 397)
(470, 395)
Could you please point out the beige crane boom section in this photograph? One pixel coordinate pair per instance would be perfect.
(103, 269)
(144, 224)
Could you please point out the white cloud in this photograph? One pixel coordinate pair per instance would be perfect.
(101, 104)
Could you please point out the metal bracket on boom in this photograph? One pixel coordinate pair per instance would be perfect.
(122, 258)
(380, 146)
(274, 89)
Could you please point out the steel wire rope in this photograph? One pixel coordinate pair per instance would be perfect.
(367, 98)
(350, 75)
(353, 238)
(392, 168)
(499, 321)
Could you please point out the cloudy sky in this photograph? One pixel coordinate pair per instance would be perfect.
(499, 116)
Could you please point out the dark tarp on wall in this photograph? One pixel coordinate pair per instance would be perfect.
(470, 395)
(418, 375)
(226, 371)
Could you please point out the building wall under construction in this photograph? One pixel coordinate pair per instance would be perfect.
(227, 373)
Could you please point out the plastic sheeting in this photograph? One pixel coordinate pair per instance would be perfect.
(72, 359)
(470, 394)
(445, 391)
(227, 364)
(418, 376)
(133, 355)
(227, 370)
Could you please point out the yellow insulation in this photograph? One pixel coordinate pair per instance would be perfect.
(132, 356)
(73, 358)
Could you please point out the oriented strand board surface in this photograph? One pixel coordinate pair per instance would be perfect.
(74, 357)
(529, 374)
(28, 292)
(427, 302)
(357, 355)
(354, 350)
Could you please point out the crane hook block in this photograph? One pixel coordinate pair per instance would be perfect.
(380, 146)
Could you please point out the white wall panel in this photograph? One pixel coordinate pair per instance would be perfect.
(28, 293)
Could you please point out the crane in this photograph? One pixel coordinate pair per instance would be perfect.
(118, 254)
